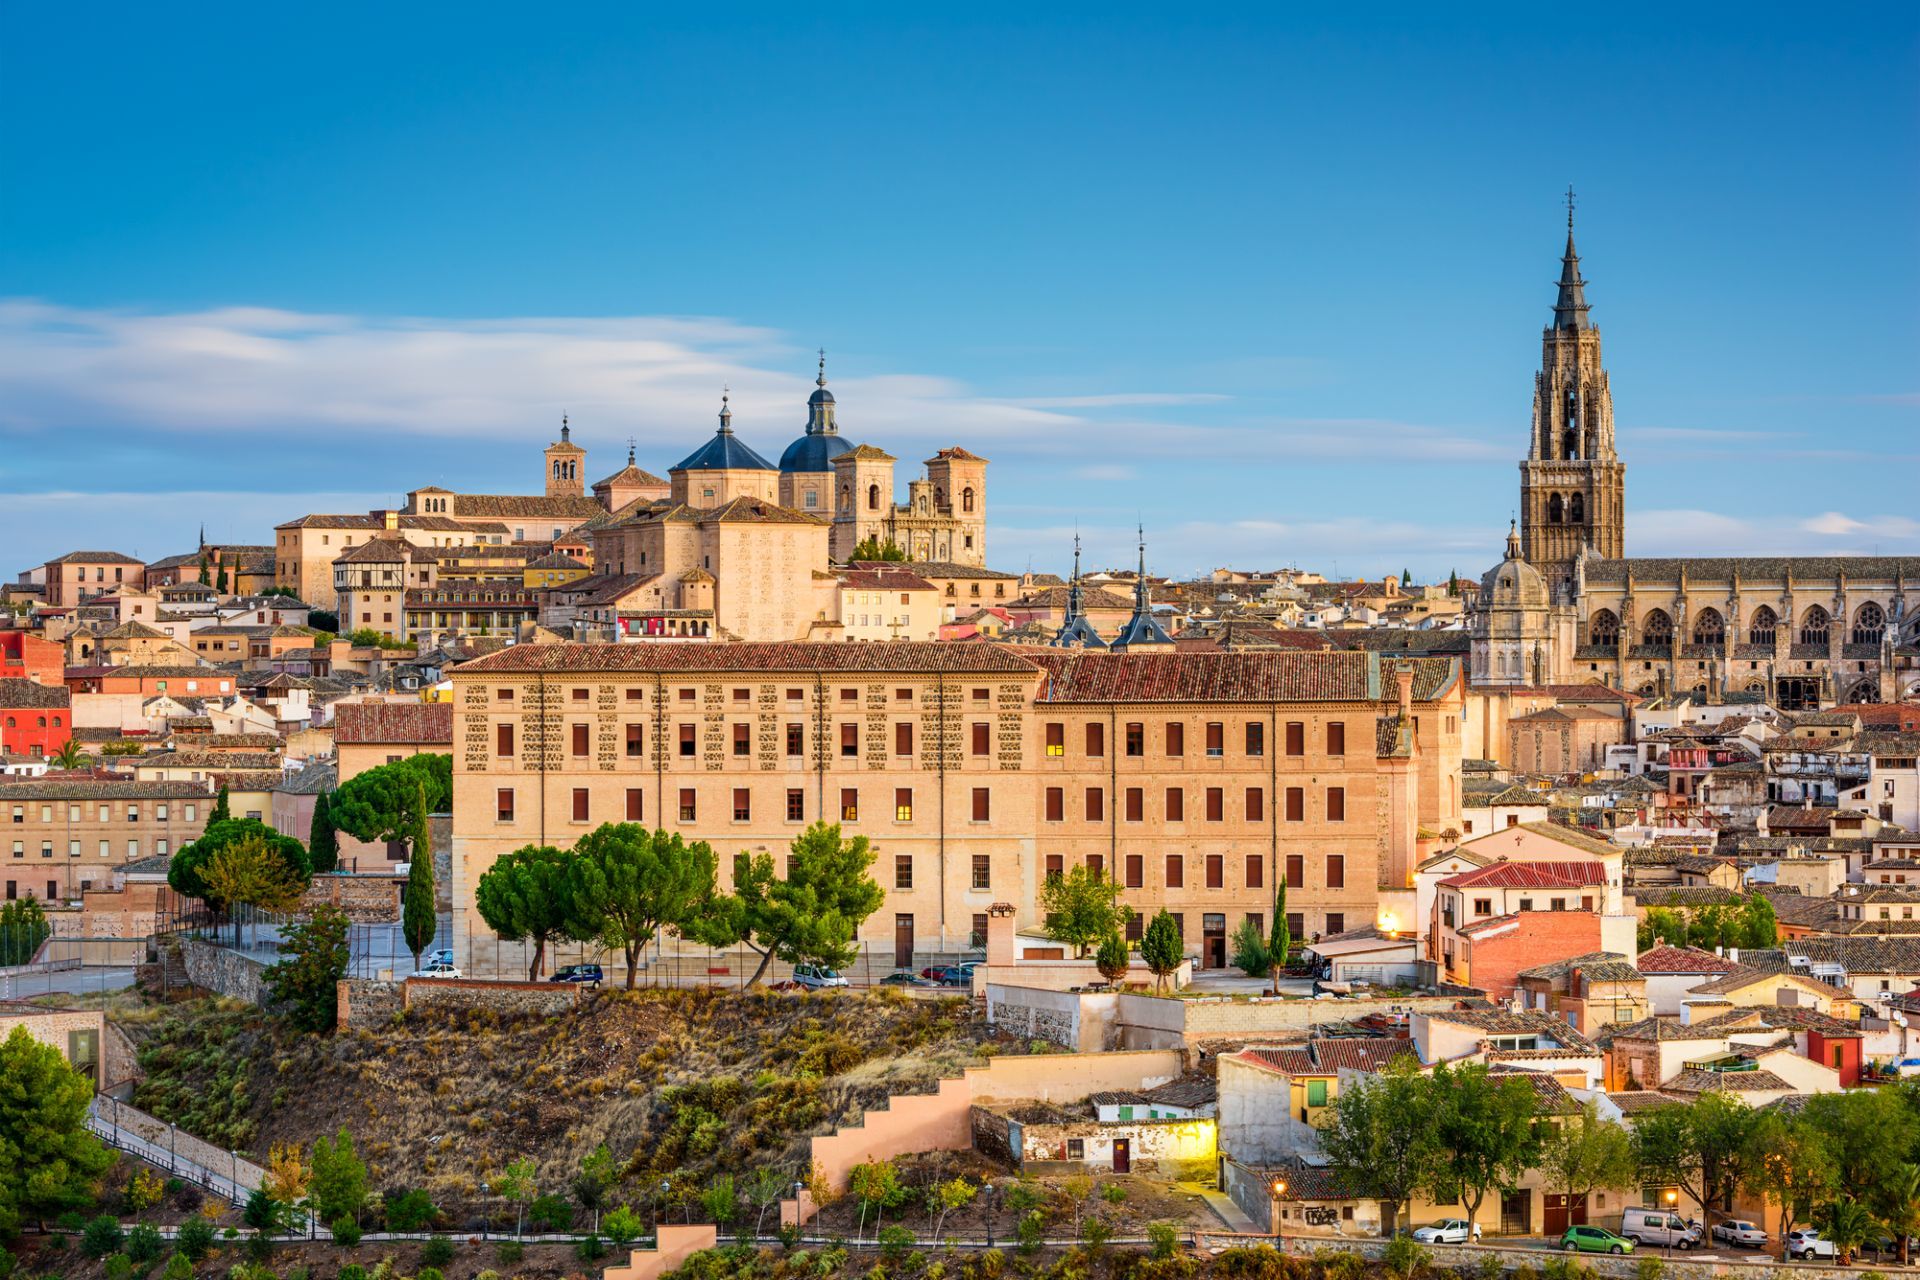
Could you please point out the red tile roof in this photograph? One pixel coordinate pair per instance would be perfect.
(415, 723)
(1256, 676)
(1665, 958)
(1530, 875)
(849, 657)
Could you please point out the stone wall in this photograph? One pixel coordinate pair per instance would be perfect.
(183, 1144)
(365, 898)
(368, 1002)
(1151, 1021)
(223, 970)
(1080, 1021)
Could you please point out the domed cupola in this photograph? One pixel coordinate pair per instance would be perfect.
(821, 444)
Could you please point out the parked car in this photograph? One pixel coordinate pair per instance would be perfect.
(905, 978)
(438, 969)
(933, 972)
(589, 974)
(957, 975)
(1447, 1231)
(1805, 1244)
(1658, 1227)
(817, 977)
(1739, 1231)
(1594, 1240)
(442, 956)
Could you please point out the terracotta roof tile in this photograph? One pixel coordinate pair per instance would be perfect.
(417, 723)
(1261, 676)
(1530, 875)
(850, 657)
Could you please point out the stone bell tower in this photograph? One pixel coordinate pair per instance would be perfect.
(565, 465)
(1572, 483)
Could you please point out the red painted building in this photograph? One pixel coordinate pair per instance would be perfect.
(1840, 1051)
(35, 719)
(30, 657)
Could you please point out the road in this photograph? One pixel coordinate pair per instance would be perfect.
(68, 981)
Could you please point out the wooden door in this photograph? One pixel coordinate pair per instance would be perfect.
(1122, 1155)
(903, 941)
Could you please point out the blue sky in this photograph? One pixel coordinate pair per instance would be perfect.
(1269, 280)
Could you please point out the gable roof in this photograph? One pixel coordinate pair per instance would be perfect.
(1530, 875)
(416, 723)
(1664, 958)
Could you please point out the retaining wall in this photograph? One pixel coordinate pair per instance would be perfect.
(365, 899)
(1151, 1021)
(670, 1252)
(224, 970)
(370, 1002)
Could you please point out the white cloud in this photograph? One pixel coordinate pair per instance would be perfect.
(1832, 523)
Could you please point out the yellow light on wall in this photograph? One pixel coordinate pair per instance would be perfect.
(1389, 922)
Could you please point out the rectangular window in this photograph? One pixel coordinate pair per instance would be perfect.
(636, 805)
(1216, 738)
(1216, 804)
(504, 798)
(503, 695)
(1256, 871)
(1056, 739)
(796, 740)
(1297, 924)
(1136, 739)
(1296, 804)
(191, 815)
(686, 740)
(1136, 926)
(1216, 871)
(1096, 863)
(1176, 739)
(1337, 738)
(742, 740)
(1336, 871)
(579, 695)
(1336, 922)
(581, 746)
(579, 804)
(903, 871)
(1256, 805)
(1336, 804)
(635, 695)
(1296, 869)
(796, 805)
(636, 740)
(1056, 866)
(1136, 804)
(1136, 870)
(1316, 1093)
(1096, 740)
(979, 938)
(982, 805)
(1056, 810)
(903, 804)
(849, 740)
(742, 804)
(982, 739)
(1176, 871)
(1483, 906)
(1176, 805)
(982, 873)
(687, 806)
(1256, 738)
(903, 739)
(1096, 805)
(1296, 738)
(849, 805)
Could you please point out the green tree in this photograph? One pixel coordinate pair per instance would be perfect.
(629, 883)
(1379, 1136)
(364, 638)
(1453, 582)
(1702, 1148)
(876, 1185)
(720, 1200)
(1759, 927)
(1280, 940)
(23, 927)
(944, 1197)
(1250, 949)
(1161, 949)
(205, 577)
(193, 1242)
(595, 1179)
(222, 812)
(220, 580)
(323, 845)
(339, 1185)
(1867, 1133)
(271, 863)
(1848, 1224)
(1113, 958)
(623, 1226)
(1897, 1204)
(1585, 1153)
(1406, 577)
(871, 548)
(1791, 1164)
(324, 622)
(70, 757)
(313, 960)
(516, 1183)
(810, 915)
(1486, 1124)
(378, 805)
(525, 897)
(419, 915)
(49, 1163)
(1081, 907)
(764, 1188)
(252, 872)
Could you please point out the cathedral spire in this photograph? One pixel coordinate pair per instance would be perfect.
(1075, 631)
(1570, 307)
(1141, 628)
(820, 404)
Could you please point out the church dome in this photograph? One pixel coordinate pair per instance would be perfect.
(813, 452)
(725, 451)
(1514, 584)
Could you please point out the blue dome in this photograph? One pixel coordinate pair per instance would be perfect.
(725, 452)
(814, 451)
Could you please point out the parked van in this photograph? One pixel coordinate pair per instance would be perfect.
(1658, 1227)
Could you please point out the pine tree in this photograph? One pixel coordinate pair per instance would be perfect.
(1161, 948)
(323, 845)
(52, 1164)
(1453, 583)
(418, 920)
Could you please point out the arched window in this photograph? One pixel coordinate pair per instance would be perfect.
(1606, 628)
(1657, 628)
(1709, 628)
(966, 498)
(1756, 686)
(1867, 691)
(873, 497)
(1816, 626)
(1869, 624)
(846, 498)
(1577, 509)
(939, 497)
(1556, 510)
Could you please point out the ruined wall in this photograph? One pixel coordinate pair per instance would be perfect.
(365, 899)
(1172, 1148)
(1079, 1021)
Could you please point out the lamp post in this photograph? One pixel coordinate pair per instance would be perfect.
(1673, 1199)
(1279, 1189)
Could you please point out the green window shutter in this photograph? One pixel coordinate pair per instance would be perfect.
(1316, 1093)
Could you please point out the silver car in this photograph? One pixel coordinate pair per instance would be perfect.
(1446, 1231)
(1739, 1231)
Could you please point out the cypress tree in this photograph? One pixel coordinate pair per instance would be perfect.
(1280, 941)
(323, 846)
(220, 813)
(418, 920)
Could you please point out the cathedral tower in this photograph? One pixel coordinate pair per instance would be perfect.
(564, 460)
(1572, 484)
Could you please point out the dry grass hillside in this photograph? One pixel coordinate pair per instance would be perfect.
(687, 1083)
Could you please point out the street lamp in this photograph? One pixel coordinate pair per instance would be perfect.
(1279, 1189)
(1673, 1199)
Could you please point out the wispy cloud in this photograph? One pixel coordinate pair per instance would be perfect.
(1118, 400)
(1711, 435)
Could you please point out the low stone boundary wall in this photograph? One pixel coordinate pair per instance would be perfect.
(224, 970)
(369, 898)
(1146, 1021)
(173, 1139)
(370, 1002)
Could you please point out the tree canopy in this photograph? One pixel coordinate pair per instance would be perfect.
(323, 847)
(1081, 907)
(313, 959)
(1161, 949)
(1379, 1138)
(186, 872)
(629, 883)
(379, 804)
(526, 896)
(49, 1163)
(812, 913)
(419, 914)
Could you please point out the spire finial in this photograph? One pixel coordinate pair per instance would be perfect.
(1570, 306)
(726, 412)
(564, 429)
(821, 381)
(1569, 208)
(629, 450)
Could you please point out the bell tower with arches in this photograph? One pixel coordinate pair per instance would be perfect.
(1572, 482)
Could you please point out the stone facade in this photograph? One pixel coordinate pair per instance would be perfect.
(366, 899)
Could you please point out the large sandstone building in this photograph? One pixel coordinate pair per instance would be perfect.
(1567, 605)
(976, 770)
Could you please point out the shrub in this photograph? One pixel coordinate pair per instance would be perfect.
(1095, 1232)
(1030, 1231)
(1113, 1193)
(144, 1244)
(591, 1249)
(118, 1267)
(353, 1271)
(101, 1237)
(178, 1268)
(145, 1190)
(510, 1252)
(6, 1264)
(194, 1239)
(1161, 1239)
(437, 1252)
(1650, 1269)
(552, 1212)
(1405, 1258)
(622, 1226)
(1023, 1196)
(71, 1220)
(346, 1232)
(260, 1248)
(410, 1211)
(895, 1241)
(1339, 1264)
(430, 1273)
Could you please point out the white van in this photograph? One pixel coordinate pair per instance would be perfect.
(1658, 1227)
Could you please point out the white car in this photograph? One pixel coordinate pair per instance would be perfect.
(1447, 1231)
(815, 977)
(438, 969)
(1805, 1244)
(1747, 1235)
